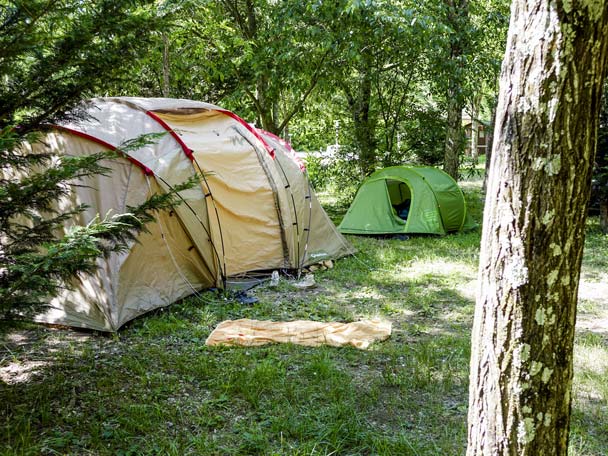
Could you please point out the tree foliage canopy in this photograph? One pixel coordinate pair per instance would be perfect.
(378, 68)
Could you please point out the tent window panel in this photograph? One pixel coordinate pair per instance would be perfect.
(401, 197)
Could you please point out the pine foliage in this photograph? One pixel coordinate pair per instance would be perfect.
(52, 55)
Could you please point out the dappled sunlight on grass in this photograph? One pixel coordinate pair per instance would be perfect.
(368, 293)
(589, 429)
(592, 360)
(447, 273)
(155, 388)
(20, 371)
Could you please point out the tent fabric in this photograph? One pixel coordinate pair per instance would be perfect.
(308, 218)
(359, 334)
(240, 219)
(434, 203)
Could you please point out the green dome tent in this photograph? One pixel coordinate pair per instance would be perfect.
(404, 199)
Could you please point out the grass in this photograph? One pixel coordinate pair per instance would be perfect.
(155, 388)
(589, 434)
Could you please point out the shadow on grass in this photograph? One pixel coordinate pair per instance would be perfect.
(169, 395)
(156, 389)
(595, 263)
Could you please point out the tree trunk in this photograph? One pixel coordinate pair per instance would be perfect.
(454, 137)
(474, 133)
(364, 130)
(534, 227)
(265, 106)
(359, 103)
(458, 13)
(604, 215)
(166, 90)
(489, 145)
(475, 124)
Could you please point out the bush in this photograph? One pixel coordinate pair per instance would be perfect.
(338, 170)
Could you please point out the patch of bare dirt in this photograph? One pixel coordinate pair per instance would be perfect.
(594, 297)
(26, 352)
(593, 304)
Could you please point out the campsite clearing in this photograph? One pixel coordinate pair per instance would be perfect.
(154, 388)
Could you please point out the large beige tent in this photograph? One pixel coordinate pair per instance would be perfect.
(254, 209)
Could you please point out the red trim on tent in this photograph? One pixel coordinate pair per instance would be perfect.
(175, 136)
(277, 138)
(253, 130)
(285, 144)
(147, 171)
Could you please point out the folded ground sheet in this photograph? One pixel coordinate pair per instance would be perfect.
(246, 332)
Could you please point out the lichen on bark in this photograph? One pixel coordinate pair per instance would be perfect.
(533, 228)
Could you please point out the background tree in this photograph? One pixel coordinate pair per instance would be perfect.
(491, 22)
(272, 53)
(394, 74)
(457, 20)
(181, 59)
(53, 54)
(534, 228)
(464, 54)
(379, 70)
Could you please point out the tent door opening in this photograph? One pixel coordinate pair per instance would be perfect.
(400, 195)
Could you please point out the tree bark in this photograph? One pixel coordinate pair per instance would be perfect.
(364, 128)
(534, 228)
(474, 132)
(359, 103)
(454, 137)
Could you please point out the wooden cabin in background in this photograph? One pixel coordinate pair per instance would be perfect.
(476, 136)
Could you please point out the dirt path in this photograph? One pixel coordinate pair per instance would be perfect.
(593, 306)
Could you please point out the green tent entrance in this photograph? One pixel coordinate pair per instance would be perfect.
(404, 199)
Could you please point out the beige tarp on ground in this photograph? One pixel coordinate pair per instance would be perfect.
(253, 211)
(359, 334)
